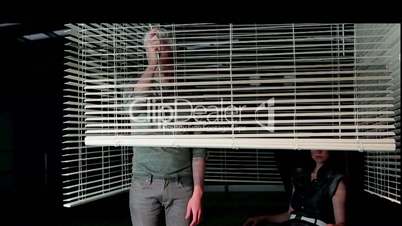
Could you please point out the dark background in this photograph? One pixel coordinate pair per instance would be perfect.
(30, 147)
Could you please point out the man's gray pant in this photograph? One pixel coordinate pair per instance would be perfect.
(150, 196)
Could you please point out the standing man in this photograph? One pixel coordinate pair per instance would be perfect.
(164, 179)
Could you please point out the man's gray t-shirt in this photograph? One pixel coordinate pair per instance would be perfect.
(158, 161)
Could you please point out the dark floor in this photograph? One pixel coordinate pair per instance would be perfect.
(220, 209)
(229, 209)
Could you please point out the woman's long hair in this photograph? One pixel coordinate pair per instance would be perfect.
(334, 162)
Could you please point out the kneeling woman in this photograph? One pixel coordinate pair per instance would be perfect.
(318, 197)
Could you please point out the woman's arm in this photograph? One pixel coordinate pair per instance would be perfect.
(279, 218)
(339, 204)
(274, 218)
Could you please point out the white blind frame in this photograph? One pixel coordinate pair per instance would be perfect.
(383, 169)
(88, 173)
(317, 81)
(93, 172)
(285, 86)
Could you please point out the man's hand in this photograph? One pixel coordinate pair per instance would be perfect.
(152, 46)
(194, 208)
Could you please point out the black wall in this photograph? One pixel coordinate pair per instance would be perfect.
(31, 112)
(31, 99)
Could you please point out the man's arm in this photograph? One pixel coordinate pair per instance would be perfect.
(137, 99)
(145, 79)
(194, 206)
(198, 176)
(151, 44)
